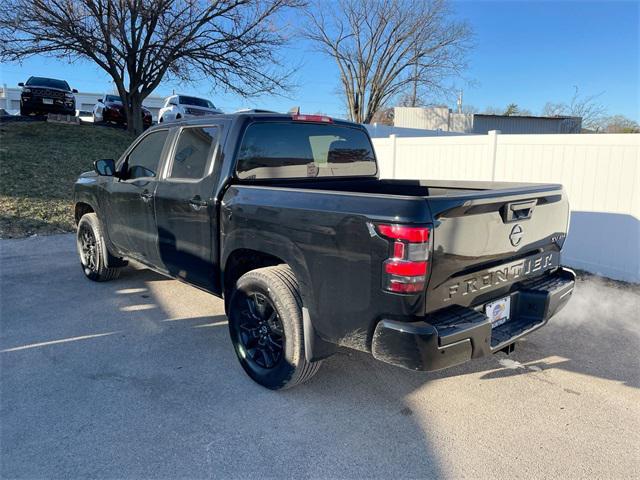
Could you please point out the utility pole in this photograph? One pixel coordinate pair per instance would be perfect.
(414, 95)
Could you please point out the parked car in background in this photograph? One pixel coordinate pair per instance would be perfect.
(110, 109)
(178, 107)
(285, 217)
(41, 95)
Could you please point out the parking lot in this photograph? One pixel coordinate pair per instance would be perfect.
(137, 378)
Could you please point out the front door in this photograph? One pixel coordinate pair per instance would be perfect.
(186, 212)
(131, 227)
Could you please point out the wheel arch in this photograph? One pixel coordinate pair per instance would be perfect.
(82, 208)
(244, 258)
(84, 205)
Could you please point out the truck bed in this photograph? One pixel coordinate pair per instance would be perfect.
(412, 188)
(472, 230)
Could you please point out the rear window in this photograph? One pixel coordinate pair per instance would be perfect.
(301, 150)
(195, 101)
(48, 82)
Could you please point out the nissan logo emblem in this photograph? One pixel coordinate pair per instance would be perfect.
(516, 235)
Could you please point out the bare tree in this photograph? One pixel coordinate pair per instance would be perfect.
(386, 48)
(410, 99)
(587, 107)
(552, 109)
(141, 42)
(383, 117)
(620, 124)
(493, 110)
(469, 109)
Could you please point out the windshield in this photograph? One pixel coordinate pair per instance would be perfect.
(300, 150)
(112, 98)
(48, 82)
(198, 102)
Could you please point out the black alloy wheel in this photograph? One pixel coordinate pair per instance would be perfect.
(93, 251)
(265, 325)
(259, 330)
(87, 248)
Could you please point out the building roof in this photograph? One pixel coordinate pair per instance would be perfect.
(554, 117)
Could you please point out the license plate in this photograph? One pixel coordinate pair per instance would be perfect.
(48, 101)
(498, 311)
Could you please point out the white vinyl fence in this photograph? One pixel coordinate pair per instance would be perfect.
(600, 172)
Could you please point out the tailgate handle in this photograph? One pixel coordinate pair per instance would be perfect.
(514, 212)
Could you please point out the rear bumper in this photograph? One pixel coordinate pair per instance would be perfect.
(459, 334)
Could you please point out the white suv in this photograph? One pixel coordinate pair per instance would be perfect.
(177, 107)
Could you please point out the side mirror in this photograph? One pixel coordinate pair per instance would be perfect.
(21, 84)
(75, 90)
(105, 167)
(99, 100)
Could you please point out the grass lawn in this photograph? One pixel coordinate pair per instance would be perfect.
(39, 163)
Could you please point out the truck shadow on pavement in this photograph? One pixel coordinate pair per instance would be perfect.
(137, 378)
(146, 384)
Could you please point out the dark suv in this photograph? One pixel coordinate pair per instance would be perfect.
(42, 95)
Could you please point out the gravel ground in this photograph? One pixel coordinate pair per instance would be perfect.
(136, 378)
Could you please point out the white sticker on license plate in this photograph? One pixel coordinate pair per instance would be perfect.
(498, 311)
(48, 101)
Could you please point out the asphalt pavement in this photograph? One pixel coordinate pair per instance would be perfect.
(136, 378)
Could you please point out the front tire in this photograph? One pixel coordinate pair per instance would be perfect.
(265, 324)
(92, 250)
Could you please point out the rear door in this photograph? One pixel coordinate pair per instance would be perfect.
(131, 226)
(186, 209)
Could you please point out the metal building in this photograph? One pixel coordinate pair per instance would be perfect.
(444, 119)
(529, 124)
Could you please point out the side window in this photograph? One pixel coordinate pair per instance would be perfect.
(144, 158)
(194, 149)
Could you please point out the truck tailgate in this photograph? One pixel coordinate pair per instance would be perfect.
(485, 241)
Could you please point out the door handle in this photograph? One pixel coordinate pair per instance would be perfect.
(197, 203)
(146, 196)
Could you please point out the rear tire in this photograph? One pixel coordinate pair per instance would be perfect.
(24, 112)
(93, 251)
(265, 324)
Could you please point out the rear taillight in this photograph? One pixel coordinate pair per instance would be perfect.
(405, 271)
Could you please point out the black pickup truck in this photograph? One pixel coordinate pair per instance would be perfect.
(285, 218)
